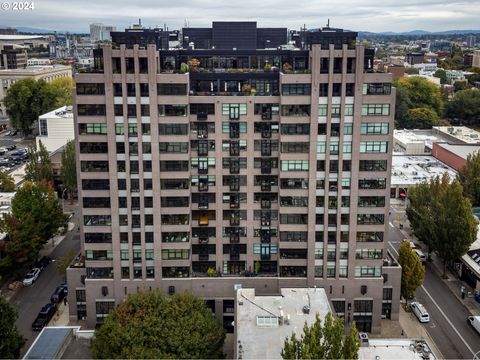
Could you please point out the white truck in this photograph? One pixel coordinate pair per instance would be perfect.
(475, 322)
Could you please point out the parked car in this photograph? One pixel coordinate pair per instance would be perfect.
(13, 133)
(477, 295)
(44, 316)
(11, 147)
(420, 255)
(43, 262)
(31, 277)
(8, 133)
(19, 152)
(59, 294)
(420, 312)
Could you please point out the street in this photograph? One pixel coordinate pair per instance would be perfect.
(448, 325)
(29, 300)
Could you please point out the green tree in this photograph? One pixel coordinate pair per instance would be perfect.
(156, 326)
(323, 342)
(413, 93)
(26, 100)
(472, 79)
(464, 108)
(456, 226)
(63, 88)
(469, 178)
(411, 71)
(421, 118)
(413, 272)
(461, 85)
(12, 341)
(6, 183)
(442, 75)
(39, 165)
(68, 170)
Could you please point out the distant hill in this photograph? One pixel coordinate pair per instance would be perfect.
(31, 30)
(418, 33)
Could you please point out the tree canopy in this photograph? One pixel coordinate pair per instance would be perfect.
(325, 341)
(413, 93)
(469, 178)
(36, 216)
(154, 325)
(442, 217)
(464, 108)
(421, 118)
(68, 170)
(442, 75)
(39, 165)
(64, 91)
(413, 272)
(12, 341)
(6, 182)
(26, 100)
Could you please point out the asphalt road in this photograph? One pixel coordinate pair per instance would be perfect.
(29, 300)
(448, 317)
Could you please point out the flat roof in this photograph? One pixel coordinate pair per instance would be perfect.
(462, 133)
(407, 136)
(396, 349)
(20, 37)
(49, 343)
(64, 112)
(415, 169)
(32, 70)
(461, 150)
(266, 342)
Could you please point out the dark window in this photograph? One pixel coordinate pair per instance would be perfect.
(90, 89)
(94, 166)
(208, 109)
(96, 184)
(295, 129)
(172, 165)
(171, 89)
(91, 109)
(296, 89)
(373, 165)
(93, 148)
(173, 129)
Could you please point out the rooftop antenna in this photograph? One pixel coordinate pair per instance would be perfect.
(328, 23)
(140, 22)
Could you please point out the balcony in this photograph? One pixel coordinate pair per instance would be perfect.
(202, 116)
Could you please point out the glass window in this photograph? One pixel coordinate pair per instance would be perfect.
(373, 146)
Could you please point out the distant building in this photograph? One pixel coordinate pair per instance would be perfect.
(397, 71)
(48, 73)
(5, 208)
(414, 58)
(101, 32)
(471, 41)
(8, 31)
(30, 41)
(476, 59)
(13, 57)
(468, 60)
(38, 62)
(441, 45)
(56, 128)
(454, 75)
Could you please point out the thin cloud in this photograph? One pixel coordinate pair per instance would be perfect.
(366, 15)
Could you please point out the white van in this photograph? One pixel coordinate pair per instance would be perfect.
(420, 255)
(420, 312)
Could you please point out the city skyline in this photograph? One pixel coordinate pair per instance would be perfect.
(430, 15)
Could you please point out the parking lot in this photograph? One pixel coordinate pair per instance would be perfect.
(13, 150)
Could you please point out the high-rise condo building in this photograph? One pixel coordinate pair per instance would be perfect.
(244, 156)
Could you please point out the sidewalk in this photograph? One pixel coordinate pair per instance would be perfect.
(452, 281)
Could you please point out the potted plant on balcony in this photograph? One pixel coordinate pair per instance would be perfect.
(254, 92)
(246, 89)
(211, 272)
(183, 68)
(193, 64)
(287, 68)
(267, 67)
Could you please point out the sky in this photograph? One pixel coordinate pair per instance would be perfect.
(357, 15)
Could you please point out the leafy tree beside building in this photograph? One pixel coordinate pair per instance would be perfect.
(413, 272)
(68, 170)
(325, 341)
(11, 341)
(151, 325)
(39, 165)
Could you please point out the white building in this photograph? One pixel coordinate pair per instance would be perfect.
(100, 32)
(395, 349)
(56, 128)
(47, 73)
(5, 207)
(38, 62)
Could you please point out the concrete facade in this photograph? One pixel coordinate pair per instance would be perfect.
(285, 217)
